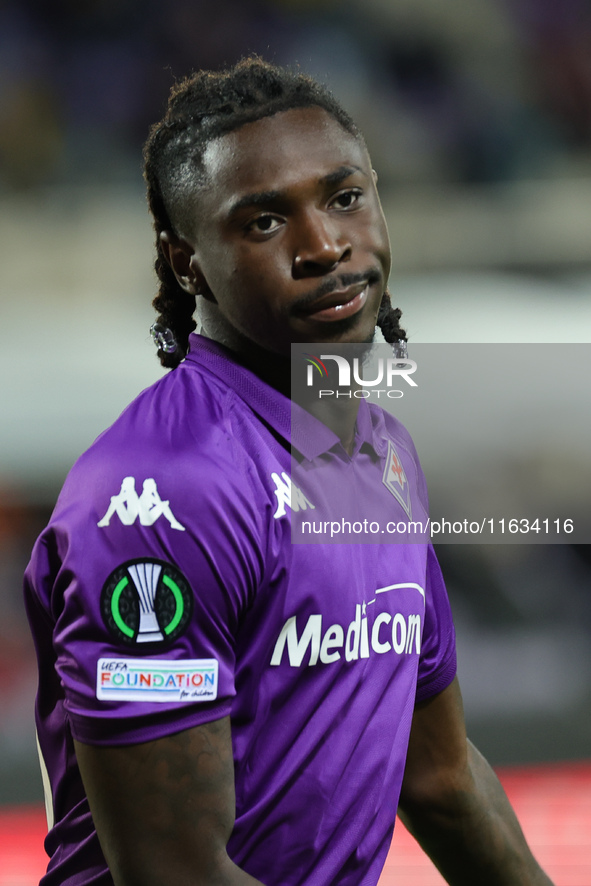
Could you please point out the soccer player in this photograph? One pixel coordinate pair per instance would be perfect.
(216, 704)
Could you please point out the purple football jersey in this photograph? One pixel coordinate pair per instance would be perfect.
(166, 592)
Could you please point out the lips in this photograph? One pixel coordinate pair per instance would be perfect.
(338, 305)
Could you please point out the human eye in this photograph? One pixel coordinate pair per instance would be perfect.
(264, 224)
(347, 199)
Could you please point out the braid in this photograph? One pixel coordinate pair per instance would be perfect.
(175, 307)
(201, 108)
(175, 312)
(388, 320)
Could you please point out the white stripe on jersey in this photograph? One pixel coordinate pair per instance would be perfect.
(46, 786)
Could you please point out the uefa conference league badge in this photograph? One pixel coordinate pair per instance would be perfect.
(146, 601)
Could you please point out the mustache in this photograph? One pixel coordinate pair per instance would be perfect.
(330, 284)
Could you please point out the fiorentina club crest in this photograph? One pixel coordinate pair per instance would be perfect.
(395, 479)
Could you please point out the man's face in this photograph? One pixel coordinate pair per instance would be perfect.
(289, 239)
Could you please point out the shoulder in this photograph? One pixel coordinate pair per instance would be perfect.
(184, 409)
(182, 453)
(179, 428)
(170, 478)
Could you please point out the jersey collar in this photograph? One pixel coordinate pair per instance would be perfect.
(302, 431)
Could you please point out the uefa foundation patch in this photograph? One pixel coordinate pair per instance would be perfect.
(142, 679)
(146, 601)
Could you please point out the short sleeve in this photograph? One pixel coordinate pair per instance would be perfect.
(147, 598)
(437, 663)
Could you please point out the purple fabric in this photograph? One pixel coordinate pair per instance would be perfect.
(318, 648)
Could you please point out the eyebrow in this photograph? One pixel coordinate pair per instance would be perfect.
(340, 174)
(263, 198)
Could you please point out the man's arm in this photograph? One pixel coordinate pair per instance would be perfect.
(455, 807)
(164, 809)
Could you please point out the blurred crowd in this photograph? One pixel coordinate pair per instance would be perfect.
(464, 91)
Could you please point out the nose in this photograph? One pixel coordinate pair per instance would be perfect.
(320, 246)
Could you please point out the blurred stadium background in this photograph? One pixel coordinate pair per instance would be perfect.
(478, 118)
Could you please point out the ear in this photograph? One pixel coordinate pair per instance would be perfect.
(181, 257)
(375, 176)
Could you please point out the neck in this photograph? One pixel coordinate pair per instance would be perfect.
(276, 370)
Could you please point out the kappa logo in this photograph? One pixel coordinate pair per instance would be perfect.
(395, 479)
(288, 494)
(146, 601)
(148, 506)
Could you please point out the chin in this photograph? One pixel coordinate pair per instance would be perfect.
(365, 337)
(350, 332)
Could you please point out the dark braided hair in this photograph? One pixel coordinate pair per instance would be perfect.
(388, 320)
(203, 107)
